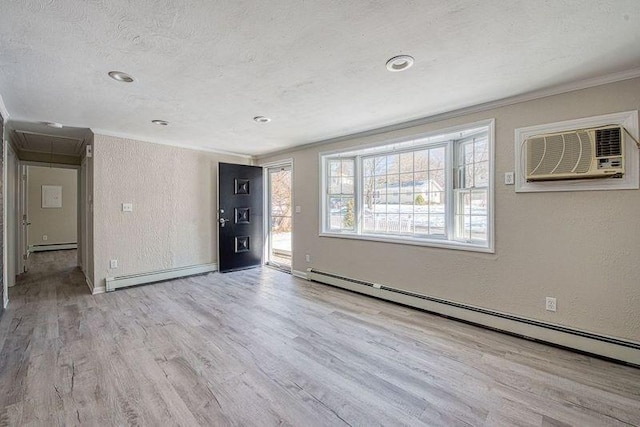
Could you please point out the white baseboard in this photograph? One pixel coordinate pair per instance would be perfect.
(54, 247)
(607, 346)
(300, 274)
(99, 290)
(113, 283)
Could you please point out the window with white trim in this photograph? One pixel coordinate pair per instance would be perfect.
(433, 190)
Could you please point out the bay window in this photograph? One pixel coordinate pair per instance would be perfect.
(433, 190)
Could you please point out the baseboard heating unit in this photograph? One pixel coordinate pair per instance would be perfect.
(601, 345)
(113, 283)
(53, 247)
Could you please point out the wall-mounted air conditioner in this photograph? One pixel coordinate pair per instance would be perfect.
(576, 154)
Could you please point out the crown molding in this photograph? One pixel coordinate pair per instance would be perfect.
(504, 102)
(170, 144)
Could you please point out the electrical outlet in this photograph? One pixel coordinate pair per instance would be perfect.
(509, 178)
(551, 304)
(298, 209)
(113, 263)
(127, 207)
(308, 257)
(44, 237)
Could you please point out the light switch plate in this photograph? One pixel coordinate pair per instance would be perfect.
(127, 207)
(298, 209)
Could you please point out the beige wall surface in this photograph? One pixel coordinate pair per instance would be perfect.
(580, 247)
(174, 196)
(58, 224)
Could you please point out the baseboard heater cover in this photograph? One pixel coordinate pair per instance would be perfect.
(113, 283)
(53, 247)
(602, 345)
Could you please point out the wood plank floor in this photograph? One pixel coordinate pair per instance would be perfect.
(260, 347)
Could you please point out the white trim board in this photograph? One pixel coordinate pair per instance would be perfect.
(54, 247)
(530, 328)
(113, 283)
(631, 178)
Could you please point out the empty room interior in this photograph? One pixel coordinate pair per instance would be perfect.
(320, 213)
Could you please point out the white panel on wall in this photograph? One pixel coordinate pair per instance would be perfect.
(52, 196)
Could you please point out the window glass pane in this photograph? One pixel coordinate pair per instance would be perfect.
(334, 167)
(481, 150)
(467, 150)
(481, 174)
(407, 199)
(436, 201)
(437, 180)
(380, 222)
(421, 224)
(437, 158)
(393, 183)
(406, 183)
(347, 185)
(380, 184)
(406, 162)
(478, 227)
(393, 163)
(367, 166)
(478, 203)
(334, 186)
(380, 166)
(437, 224)
(348, 214)
(420, 180)
(421, 160)
(347, 168)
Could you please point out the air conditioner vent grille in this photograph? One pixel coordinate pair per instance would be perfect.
(575, 154)
(608, 142)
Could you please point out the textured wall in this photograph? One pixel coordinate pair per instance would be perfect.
(3, 291)
(581, 247)
(174, 196)
(59, 225)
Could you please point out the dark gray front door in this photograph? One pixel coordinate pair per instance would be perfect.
(240, 217)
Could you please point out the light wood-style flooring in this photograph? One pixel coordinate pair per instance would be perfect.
(260, 347)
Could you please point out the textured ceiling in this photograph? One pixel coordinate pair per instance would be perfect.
(317, 68)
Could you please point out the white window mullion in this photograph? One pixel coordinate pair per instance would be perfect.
(450, 169)
(358, 194)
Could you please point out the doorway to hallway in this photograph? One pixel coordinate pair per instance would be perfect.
(280, 218)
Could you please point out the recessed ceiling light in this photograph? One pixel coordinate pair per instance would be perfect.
(261, 119)
(53, 124)
(400, 63)
(160, 122)
(120, 76)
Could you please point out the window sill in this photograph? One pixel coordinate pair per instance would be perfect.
(435, 243)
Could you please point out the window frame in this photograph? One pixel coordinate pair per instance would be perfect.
(410, 143)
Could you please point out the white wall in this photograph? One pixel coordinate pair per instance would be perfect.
(58, 224)
(580, 247)
(174, 196)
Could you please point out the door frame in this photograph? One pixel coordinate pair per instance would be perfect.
(288, 163)
(23, 246)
